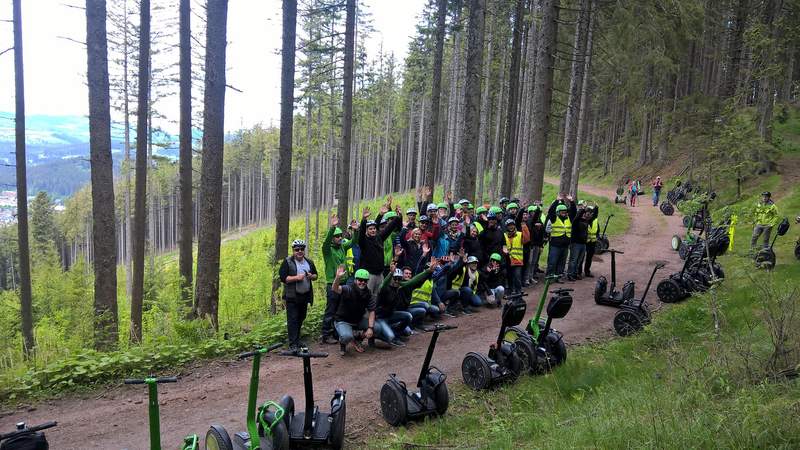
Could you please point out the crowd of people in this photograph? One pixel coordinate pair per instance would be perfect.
(385, 276)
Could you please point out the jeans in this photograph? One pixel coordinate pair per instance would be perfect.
(386, 327)
(345, 329)
(468, 297)
(449, 297)
(533, 262)
(418, 312)
(587, 266)
(429, 308)
(633, 198)
(576, 253)
(757, 231)
(296, 311)
(656, 194)
(556, 259)
(330, 309)
(498, 292)
(515, 278)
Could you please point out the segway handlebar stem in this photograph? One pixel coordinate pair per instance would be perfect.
(22, 429)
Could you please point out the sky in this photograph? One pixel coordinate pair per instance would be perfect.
(55, 66)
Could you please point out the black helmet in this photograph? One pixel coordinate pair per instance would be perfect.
(767, 194)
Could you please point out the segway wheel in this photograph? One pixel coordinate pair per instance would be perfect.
(556, 348)
(797, 250)
(526, 355)
(337, 427)
(514, 333)
(676, 242)
(476, 371)
(683, 251)
(393, 404)
(687, 221)
(600, 287)
(669, 291)
(602, 245)
(279, 434)
(442, 398)
(217, 438)
(765, 259)
(627, 323)
(287, 403)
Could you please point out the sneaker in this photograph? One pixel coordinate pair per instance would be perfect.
(571, 278)
(448, 313)
(342, 349)
(326, 340)
(398, 343)
(468, 311)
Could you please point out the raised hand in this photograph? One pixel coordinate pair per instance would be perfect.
(366, 212)
(340, 271)
(384, 209)
(449, 196)
(505, 249)
(426, 247)
(398, 250)
(334, 220)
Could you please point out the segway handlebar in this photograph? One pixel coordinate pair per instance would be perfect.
(559, 291)
(303, 354)
(259, 350)
(147, 380)
(22, 429)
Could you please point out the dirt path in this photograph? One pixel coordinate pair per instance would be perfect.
(217, 392)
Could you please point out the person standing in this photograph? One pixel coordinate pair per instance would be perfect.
(633, 192)
(591, 240)
(657, 185)
(577, 249)
(371, 243)
(559, 227)
(766, 217)
(536, 229)
(514, 242)
(296, 273)
(334, 254)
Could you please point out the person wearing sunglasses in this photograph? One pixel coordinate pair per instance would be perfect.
(355, 313)
(296, 273)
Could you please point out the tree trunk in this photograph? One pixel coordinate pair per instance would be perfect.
(208, 239)
(583, 121)
(185, 257)
(734, 56)
(513, 100)
(483, 133)
(573, 106)
(343, 188)
(282, 210)
(25, 295)
(140, 188)
(542, 99)
(436, 90)
(127, 163)
(102, 175)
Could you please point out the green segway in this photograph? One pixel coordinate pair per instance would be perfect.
(190, 442)
(266, 429)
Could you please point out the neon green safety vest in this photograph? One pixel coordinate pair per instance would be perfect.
(514, 245)
(350, 261)
(423, 293)
(561, 228)
(593, 228)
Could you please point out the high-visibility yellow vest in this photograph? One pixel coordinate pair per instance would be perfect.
(459, 278)
(593, 228)
(561, 228)
(423, 293)
(350, 261)
(478, 226)
(732, 230)
(514, 245)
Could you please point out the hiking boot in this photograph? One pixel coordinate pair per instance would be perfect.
(398, 343)
(468, 311)
(448, 313)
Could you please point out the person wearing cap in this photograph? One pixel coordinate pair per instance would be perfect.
(511, 211)
(394, 299)
(591, 239)
(657, 185)
(334, 254)
(411, 214)
(559, 227)
(355, 311)
(537, 234)
(491, 285)
(466, 281)
(766, 217)
(393, 240)
(503, 202)
(371, 241)
(492, 237)
(512, 248)
(296, 273)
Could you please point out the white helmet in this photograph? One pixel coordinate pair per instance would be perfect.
(298, 243)
(398, 273)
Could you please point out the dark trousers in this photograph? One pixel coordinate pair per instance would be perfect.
(515, 278)
(587, 265)
(296, 311)
(556, 260)
(330, 309)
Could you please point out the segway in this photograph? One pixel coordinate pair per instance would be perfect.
(398, 405)
(26, 438)
(506, 360)
(190, 442)
(635, 314)
(312, 426)
(552, 342)
(620, 196)
(602, 241)
(608, 295)
(265, 426)
(765, 258)
(797, 249)
(666, 208)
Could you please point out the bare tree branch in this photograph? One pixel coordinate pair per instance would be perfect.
(6, 51)
(73, 40)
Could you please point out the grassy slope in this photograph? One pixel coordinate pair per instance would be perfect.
(678, 384)
(170, 342)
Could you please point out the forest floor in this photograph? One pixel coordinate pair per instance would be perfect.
(216, 392)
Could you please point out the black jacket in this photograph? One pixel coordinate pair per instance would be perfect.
(289, 268)
(372, 247)
(490, 279)
(492, 241)
(353, 303)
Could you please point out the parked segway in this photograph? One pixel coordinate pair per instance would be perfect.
(552, 342)
(190, 442)
(765, 258)
(265, 426)
(608, 295)
(635, 314)
(504, 362)
(666, 208)
(620, 196)
(312, 426)
(26, 438)
(602, 241)
(398, 405)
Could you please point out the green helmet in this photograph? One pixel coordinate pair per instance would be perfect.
(560, 208)
(390, 215)
(496, 209)
(362, 274)
(533, 208)
(337, 231)
(496, 257)
(512, 205)
(443, 205)
(480, 210)
(469, 205)
(457, 206)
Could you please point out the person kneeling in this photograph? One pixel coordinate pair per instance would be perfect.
(356, 310)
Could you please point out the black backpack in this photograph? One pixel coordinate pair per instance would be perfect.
(28, 441)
